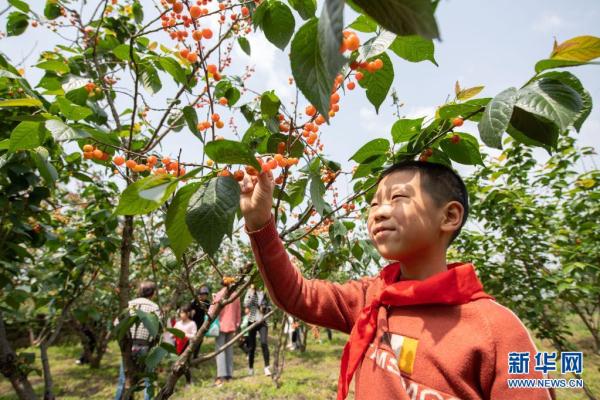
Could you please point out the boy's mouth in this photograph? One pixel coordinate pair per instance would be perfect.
(380, 229)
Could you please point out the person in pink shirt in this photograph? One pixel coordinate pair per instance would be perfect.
(230, 319)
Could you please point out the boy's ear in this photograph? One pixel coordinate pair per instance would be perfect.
(452, 216)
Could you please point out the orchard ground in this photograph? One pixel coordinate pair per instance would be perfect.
(309, 375)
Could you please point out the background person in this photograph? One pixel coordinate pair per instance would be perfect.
(257, 303)
(229, 321)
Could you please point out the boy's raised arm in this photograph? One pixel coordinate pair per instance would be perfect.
(317, 302)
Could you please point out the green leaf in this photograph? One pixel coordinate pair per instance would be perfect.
(466, 151)
(25, 102)
(52, 9)
(440, 157)
(191, 118)
(414, 48)
(244, 44)
(259, 13)
(177, 231)
(552, 100)
(571, 80)
(16, 23)
(371, 150)
(379, 82)
(150, 321)
(146, 195)
(539, 130)
(543, 65)
(211, 212)
(317, 191)
(466, 94)
(496, 118)
(255, 135)
(403, 17)
(308, 67)
(138, 12)
(225, 89)
(61, 131)
(150, 79)
(173, 68)
(329, 37)
(306, 8)
(10, 75)
(364, 24)
(71, 110)
(296, 191)
(27, 135)
(154, 357)
(70, 82)
(377, 46)
(19, 5)
(269, 104)
(580, 48)
(278, 24)
(462, 109)
(369, 166)
(231, 152)
(57, 66)
(405, 129)
(176, 120)
(297, 149)
(78, 96)
(110, 138)
(122, 52)
(176, 332)
(47, 171)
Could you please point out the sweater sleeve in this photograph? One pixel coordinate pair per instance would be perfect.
(510, 336)
(317, 302)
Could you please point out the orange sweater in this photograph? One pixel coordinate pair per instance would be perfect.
(419, 352)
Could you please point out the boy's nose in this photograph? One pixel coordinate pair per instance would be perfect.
(382, 212)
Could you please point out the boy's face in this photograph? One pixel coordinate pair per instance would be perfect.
(403, 219)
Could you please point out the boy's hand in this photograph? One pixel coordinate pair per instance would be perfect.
(256, 200)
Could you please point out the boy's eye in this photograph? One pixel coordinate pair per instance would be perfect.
(396, 196)
(374, 204)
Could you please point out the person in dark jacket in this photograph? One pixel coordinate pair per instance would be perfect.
(199, 307)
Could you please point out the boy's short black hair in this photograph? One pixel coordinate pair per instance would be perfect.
(441, 182)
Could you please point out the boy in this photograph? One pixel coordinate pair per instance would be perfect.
(421, 329)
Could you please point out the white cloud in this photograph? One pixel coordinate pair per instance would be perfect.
(547, 23)
(368, 119)
(417, 112)
(271, 67)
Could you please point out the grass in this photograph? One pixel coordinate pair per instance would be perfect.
(307, 376)
(582, 341)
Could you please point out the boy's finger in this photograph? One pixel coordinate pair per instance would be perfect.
(246, 185)
(265, 178)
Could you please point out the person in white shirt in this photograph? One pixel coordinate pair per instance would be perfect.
(188, 327)
(258, 304)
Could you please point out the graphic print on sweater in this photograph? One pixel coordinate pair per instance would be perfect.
(396, 355)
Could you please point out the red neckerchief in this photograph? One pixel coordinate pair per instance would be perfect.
(458, 285)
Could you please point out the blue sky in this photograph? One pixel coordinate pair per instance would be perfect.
(492, 43)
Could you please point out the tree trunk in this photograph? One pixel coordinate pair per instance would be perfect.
(9, 367)
(48, 382)
(589, 325)
(302, 335)
(279, 353)
(100, 350)
(125, 343)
